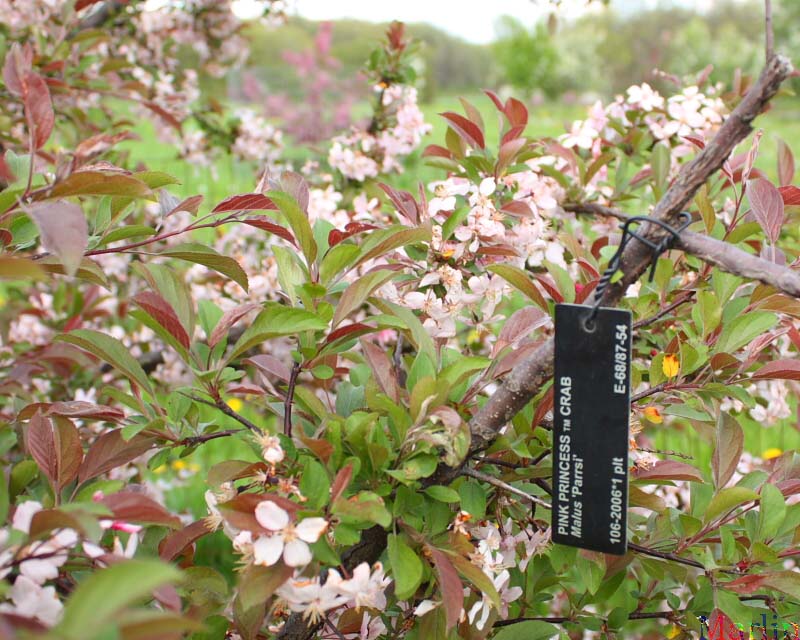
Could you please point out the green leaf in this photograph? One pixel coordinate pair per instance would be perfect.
(443, 494)
(98, 600)
(519, 279)
(406, 567)
(379, 243)
(291, 273)
(112, 351)
(95, 183)
(338, 258)
(771, 513)
(365, 506)
(744, 329)
(473, 499)
(206, 256)
(277, 320)
(728, 499)
(356, 294)
(315, 484)
(729, 446)
(298, 221)
(528, 630)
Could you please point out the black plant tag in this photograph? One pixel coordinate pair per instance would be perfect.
(590, 427)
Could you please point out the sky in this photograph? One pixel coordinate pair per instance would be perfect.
(472, 20)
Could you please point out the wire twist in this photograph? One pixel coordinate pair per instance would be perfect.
(656, 248)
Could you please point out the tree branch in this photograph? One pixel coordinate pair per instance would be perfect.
(718, 253)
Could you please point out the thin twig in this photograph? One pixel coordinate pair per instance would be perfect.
(220, 404)
(195, 440)
(769, 38)
(289, 400)
(649, 392)
(665, 311)
(483, 477)
(668, 452)
(665, 556)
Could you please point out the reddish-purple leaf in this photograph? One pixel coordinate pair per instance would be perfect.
(404, 201)
(111, 450)
(450, 586)
(341, 482)
(190, 205)
(785, 164)
(18, 64)
(296, 186)
(436, 151)
(129, 506)
(265, 224)
(163, 313)
(669, 470)
(516, 112)
(790, 195)
(56, 447)
(779, 370)
(100, 143)
(246, 202)
(174, 543)
(229, 319)
(521, 324)
(517, 208)
(73, 409)
(508, 153)
(512, 134)
(382, 368)
(63, 229)
(697, 142)
(38, 109)
(271, 365)
(352, 228)
(467, 130)
(767, 206)
(494, 98)
(41, 441)
(728, 449)
(163, 114)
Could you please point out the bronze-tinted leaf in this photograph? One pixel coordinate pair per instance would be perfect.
(728, 450)
(766, 204)
(246, 202)
(669, 470)
(174, 543)
(161, 311)
(466, 129)
(111, 450)
(129, 506)
(382, 369)
(449, 584)
(229, 319)
(265, 224)
(63, 229)
(779, 370)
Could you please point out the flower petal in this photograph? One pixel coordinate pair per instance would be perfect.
(271, 516)
(296, 553)
(267, 550)
(311, 529)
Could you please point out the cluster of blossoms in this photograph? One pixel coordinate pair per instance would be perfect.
(362, 154)
(453, 291)
(39, 562)
(688, 113)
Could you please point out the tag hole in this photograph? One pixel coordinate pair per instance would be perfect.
(589, 325)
